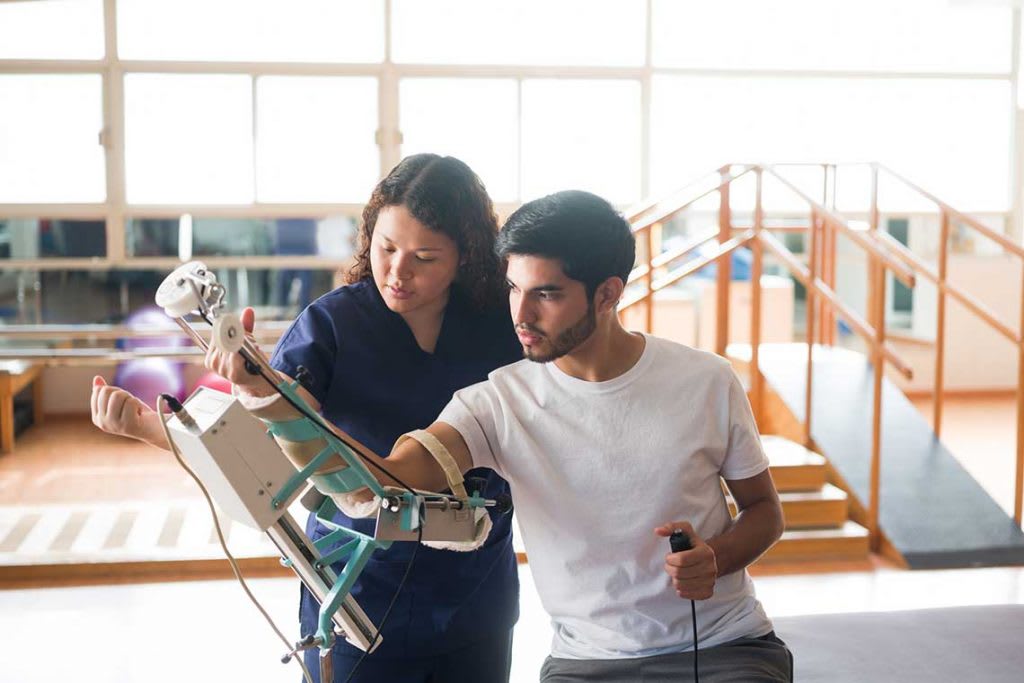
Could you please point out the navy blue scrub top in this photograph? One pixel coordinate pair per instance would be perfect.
(374, 382)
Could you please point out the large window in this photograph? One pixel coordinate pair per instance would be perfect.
(188, 139)
(50, 127)
(474, 119)
(583, 135)
(57, 29)
(140, 131)
(950, 136)
(315, 139)
(559, 32)
(251, 30)
(821, 35)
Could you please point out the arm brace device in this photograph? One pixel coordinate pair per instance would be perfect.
(285, 424)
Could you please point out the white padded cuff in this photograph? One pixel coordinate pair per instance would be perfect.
(356, 509)
(483, 529)
(437, 449)
(251, 403)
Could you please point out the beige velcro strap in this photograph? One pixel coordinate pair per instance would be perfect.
(441, 455)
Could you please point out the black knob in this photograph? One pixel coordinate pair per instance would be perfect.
(679, 541)
(503, 503)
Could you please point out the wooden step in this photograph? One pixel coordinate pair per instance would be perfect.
(794, 468)
(824, 508)
(849, 542)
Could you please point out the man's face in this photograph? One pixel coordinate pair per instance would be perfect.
(551, 311)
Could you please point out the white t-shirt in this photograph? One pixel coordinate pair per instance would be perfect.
(595, 467)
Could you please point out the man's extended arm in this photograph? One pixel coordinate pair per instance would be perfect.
(415, 466)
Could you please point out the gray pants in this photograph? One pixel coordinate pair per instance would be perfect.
(745, 660)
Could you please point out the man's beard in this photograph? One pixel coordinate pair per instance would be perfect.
(568, 339)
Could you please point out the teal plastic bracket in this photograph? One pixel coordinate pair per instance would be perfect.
(353, 477)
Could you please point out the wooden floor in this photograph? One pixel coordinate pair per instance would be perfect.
(208, 631)
(71, 496)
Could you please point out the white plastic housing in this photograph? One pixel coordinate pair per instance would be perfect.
(235, 457)
(175, 295)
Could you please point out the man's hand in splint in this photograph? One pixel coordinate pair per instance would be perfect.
(231, 366)
(693, 572)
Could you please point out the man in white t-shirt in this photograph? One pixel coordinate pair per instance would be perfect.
(611, 440)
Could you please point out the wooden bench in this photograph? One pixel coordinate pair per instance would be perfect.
(14, 376)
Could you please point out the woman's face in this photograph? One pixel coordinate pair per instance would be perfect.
(412, 265)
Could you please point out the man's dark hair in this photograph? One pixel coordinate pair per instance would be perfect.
(583, 231)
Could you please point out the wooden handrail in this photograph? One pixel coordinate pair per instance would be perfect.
(802, 273)
(97, 356)
(988, 232)
(634, 212)
(271, 329)
(967, 300)
(689, 269)
(640, 225)
(663, 260)
(901, 272)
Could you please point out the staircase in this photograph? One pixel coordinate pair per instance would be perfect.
(817, 513)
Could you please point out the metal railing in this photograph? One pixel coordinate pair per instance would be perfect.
(817, 272)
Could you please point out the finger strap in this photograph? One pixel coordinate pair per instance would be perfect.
(441, 455)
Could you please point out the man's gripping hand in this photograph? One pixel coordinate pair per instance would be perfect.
(231, 367)
(693, 572)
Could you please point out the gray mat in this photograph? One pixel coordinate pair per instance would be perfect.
(984, 644)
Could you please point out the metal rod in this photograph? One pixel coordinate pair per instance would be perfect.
(756, 383)
(967, 300)
(302, 556)
(1018, 496)
(649, 279)
(863, 328)
(810, 301)
(940, 328)
(724, 276)
(876, 422)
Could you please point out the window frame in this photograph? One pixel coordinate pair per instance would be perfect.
(115, 210)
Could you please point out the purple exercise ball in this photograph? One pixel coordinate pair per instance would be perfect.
(147, 378)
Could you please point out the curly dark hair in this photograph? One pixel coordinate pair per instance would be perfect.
(445, 195)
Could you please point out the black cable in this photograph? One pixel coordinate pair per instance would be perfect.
(251, 365)
(693, 612)
(680, 542)
(394, 598)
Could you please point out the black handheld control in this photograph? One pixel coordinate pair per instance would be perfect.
(680, 541)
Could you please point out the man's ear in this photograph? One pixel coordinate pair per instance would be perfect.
(607, 294)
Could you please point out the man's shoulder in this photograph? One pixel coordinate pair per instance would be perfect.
(513, 373)
(680, 355)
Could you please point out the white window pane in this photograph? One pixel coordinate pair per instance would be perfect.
(949, 136)
(473, 119)
(879, 35)
(315, 139)
(49, 139)
(583, 135)
(251, 30)
(56, 29)
(560, 32)
(188, 139)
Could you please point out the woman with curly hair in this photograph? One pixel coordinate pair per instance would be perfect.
(422, 316)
